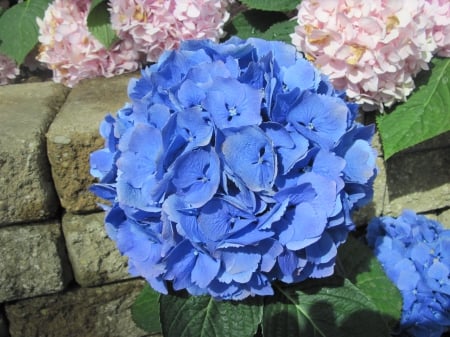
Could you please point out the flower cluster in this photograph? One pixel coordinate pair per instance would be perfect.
(155, 26)
(234, 165)
(8, 70)
(373, 49)
(415, 254)
(439, 12)
(72, 52)
(144, 28)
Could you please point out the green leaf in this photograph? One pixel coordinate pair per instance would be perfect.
(202, 316)
(265, 25)
(99, 23)
(280, 31)
(331, 307)
(19, 30)
(358, 263)
(423, 116)
(145, 310)
(271, 5)
(253, 23)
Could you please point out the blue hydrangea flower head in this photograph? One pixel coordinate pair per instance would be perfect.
(232, 166)
(415, 254)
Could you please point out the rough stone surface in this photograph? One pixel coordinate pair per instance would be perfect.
(33, 261)
(87, 312)
(74, 135)
(438, 142)
(444, 218)
(94, 257)
(419, 181)
(26, 187)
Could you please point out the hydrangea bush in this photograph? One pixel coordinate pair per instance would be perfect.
(232, 166)
(72, 52)
(415, 254)
(144, 30)
(156, 26)
(373, 49)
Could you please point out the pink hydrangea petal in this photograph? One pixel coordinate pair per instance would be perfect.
(155, 26)
(8, 70)
(70, 50)
(373, 48)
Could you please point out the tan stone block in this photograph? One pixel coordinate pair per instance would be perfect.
(419, 181)
(26, 186)
(74, 135)
(33, 261)
(93, 255)
(87, 312)
(444, 218)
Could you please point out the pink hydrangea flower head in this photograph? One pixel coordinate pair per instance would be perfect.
(8, 70)
(158, 25)
(72, 52)
(373, 49)
(439, 12)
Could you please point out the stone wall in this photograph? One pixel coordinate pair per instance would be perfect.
(60, 275)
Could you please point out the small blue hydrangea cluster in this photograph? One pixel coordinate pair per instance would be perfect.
(234, 165)
(415, 254)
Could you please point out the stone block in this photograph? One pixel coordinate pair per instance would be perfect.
(88, 312)
(444, 218)
(419, 181)
(26, 186)
(33, 261)
(435, 143)
(74, 135)
(94, 257)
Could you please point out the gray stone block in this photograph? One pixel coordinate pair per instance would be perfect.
(88, 312)
(26, 187)
(33, 261)
(435, 143)
(419, 181)
(94, 257)
(74, 135)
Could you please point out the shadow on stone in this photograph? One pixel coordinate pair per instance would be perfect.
(413, 172)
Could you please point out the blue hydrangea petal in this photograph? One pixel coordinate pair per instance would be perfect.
(233, 104)
(205, 270)
(322, 119)
(190, 94)
(195, 127)
(102, 164)
(104, 191)
(360, 162)
(180, 262)
(271, 250)
(304, 227)
(323, 251)
(284, 54)
(196, 176)
(290, 147)
(238, 266)
(331, 166)
(439, 277)
(301, 75)
(250, 155)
